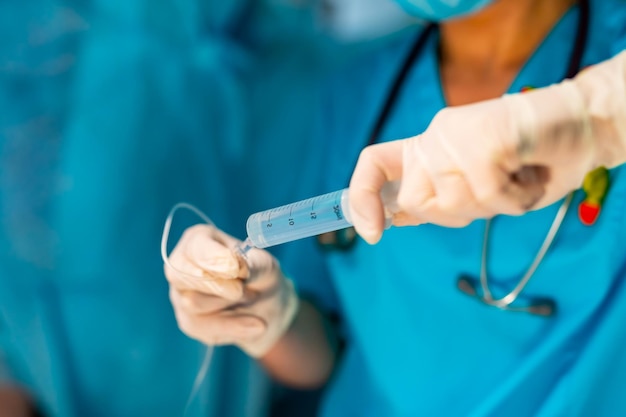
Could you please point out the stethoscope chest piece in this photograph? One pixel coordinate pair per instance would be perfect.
(538, 306)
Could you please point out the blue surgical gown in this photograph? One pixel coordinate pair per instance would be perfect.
(110, 113)
(417, 346)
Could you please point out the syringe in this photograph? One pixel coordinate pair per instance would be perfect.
(311, 217)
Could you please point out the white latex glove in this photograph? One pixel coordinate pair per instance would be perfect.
(509, 155)
(247, 302)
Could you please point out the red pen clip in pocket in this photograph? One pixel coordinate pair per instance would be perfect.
(595, 186)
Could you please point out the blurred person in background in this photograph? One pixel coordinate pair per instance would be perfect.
(110, 113)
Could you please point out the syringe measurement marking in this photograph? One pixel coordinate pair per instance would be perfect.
(269, 218)
(337, 208)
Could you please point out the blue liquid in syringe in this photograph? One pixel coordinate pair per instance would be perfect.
(311, 217)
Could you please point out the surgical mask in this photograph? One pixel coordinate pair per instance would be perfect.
(357, 20)
(438, 10)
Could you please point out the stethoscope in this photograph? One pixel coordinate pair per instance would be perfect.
(544, 306)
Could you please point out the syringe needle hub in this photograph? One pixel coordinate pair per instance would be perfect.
(243, 247)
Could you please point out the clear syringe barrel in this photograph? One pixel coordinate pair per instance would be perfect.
(311, 217)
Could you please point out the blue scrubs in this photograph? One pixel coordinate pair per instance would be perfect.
(110, 113)
(417, 346)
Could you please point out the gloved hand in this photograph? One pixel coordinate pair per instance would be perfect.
(504, 156)
(222, 298)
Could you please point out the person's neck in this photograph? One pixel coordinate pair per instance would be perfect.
(491, 46)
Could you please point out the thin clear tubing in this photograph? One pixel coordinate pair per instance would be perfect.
(311, 217)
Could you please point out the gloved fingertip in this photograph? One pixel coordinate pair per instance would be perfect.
(229, 290)
(224, 266)
(371, 236)
(368, 232)
(212, 287)
(366, 227)
(364, 220)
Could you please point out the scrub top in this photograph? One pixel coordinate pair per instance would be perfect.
(110, 113)
(416, 345)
